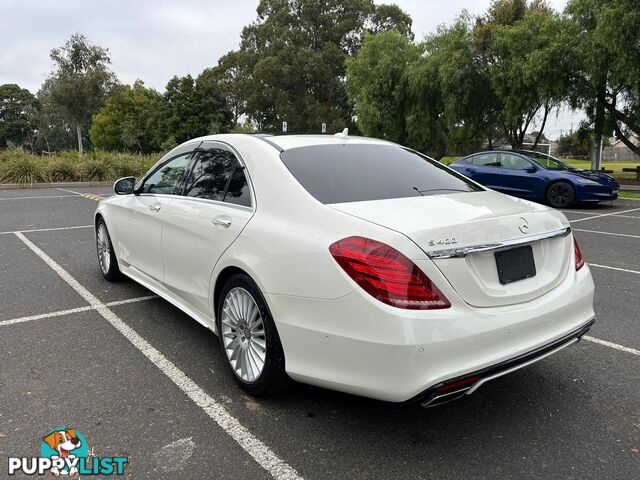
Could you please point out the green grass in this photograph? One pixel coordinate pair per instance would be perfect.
(615, 166)
(448, 160)
(630, 195)
(19, 166)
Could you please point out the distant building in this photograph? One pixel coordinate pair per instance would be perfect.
(619, 152)
(617, 143)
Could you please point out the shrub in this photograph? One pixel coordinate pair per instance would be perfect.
(92, 169)
(18, 166)
(63, 169)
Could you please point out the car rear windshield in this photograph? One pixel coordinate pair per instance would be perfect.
(361, 172)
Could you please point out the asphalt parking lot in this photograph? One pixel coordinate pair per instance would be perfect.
(139, 378)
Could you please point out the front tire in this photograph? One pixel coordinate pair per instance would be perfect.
(249, 339)
(561, 195)
(106, 256)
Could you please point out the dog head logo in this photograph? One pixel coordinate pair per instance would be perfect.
(64, 443)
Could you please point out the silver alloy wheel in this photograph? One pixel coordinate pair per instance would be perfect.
(104, 248)
(243, 335)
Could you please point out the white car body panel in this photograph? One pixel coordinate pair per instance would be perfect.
(192, 245)
(333, 333)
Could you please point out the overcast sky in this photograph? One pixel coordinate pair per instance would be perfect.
(153, 40)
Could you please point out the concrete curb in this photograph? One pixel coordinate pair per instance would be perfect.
(15, 186)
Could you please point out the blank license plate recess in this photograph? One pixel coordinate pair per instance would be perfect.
(515, 264)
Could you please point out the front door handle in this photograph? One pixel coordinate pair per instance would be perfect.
(223, 221)
(155, 207)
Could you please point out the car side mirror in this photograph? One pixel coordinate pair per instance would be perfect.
(124, 186)
(531, 169)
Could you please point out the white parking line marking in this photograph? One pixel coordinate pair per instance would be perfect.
(604, 215)
(14, 232)
(70, 191)
(622, 348)
(606, 233)
(260, 452)
(59, 313)
(41, 316)
(595, 214)
(614, 268)
(41, 196)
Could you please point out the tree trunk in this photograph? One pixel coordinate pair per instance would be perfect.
(79, 132)
(618, 116)
(544, 122)
(598, 128)
(622, 137)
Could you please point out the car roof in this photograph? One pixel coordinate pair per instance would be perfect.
(286, 142)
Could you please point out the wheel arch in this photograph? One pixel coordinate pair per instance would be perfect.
(221, 279)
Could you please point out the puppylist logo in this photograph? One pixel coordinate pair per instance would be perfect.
(64, 451)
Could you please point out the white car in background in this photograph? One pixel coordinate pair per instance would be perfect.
(350, 263)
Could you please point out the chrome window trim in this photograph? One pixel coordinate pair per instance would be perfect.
(198, 144)
(197, 199)
(486, 247)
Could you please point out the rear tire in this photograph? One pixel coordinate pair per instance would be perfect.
(106, 256)
(249, 339)
(561, 195)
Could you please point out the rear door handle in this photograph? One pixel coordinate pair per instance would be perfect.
(155, 207)
(223, 221)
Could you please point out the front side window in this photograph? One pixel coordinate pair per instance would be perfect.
(514, 162)
(166, 179)
(361, 172)
(547, 161)
(217, 175)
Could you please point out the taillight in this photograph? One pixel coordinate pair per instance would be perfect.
(578, 255)
(386, 274)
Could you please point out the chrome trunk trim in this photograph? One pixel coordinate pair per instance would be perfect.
(486, 247)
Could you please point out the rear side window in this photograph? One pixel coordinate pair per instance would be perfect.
(486, 160)
(217, 175)
(361, 172)
(513, 162)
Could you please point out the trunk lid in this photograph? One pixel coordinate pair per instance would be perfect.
(443, 222)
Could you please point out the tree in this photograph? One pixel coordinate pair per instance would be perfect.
(575, 144)
(233, 84)
(292, 60)
(606, 54)
(451, 96)
(376, 82)
(129, 120)
(195, 107)
(521, 51)
(53, 130)
(18, 115)
(390, 17)
(80, 81)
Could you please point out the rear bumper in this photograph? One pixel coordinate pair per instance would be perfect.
(358, 345)
(457, 387)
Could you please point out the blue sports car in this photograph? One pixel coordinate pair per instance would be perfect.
(536, 176)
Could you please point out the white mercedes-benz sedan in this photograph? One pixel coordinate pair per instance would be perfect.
(349, 263)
